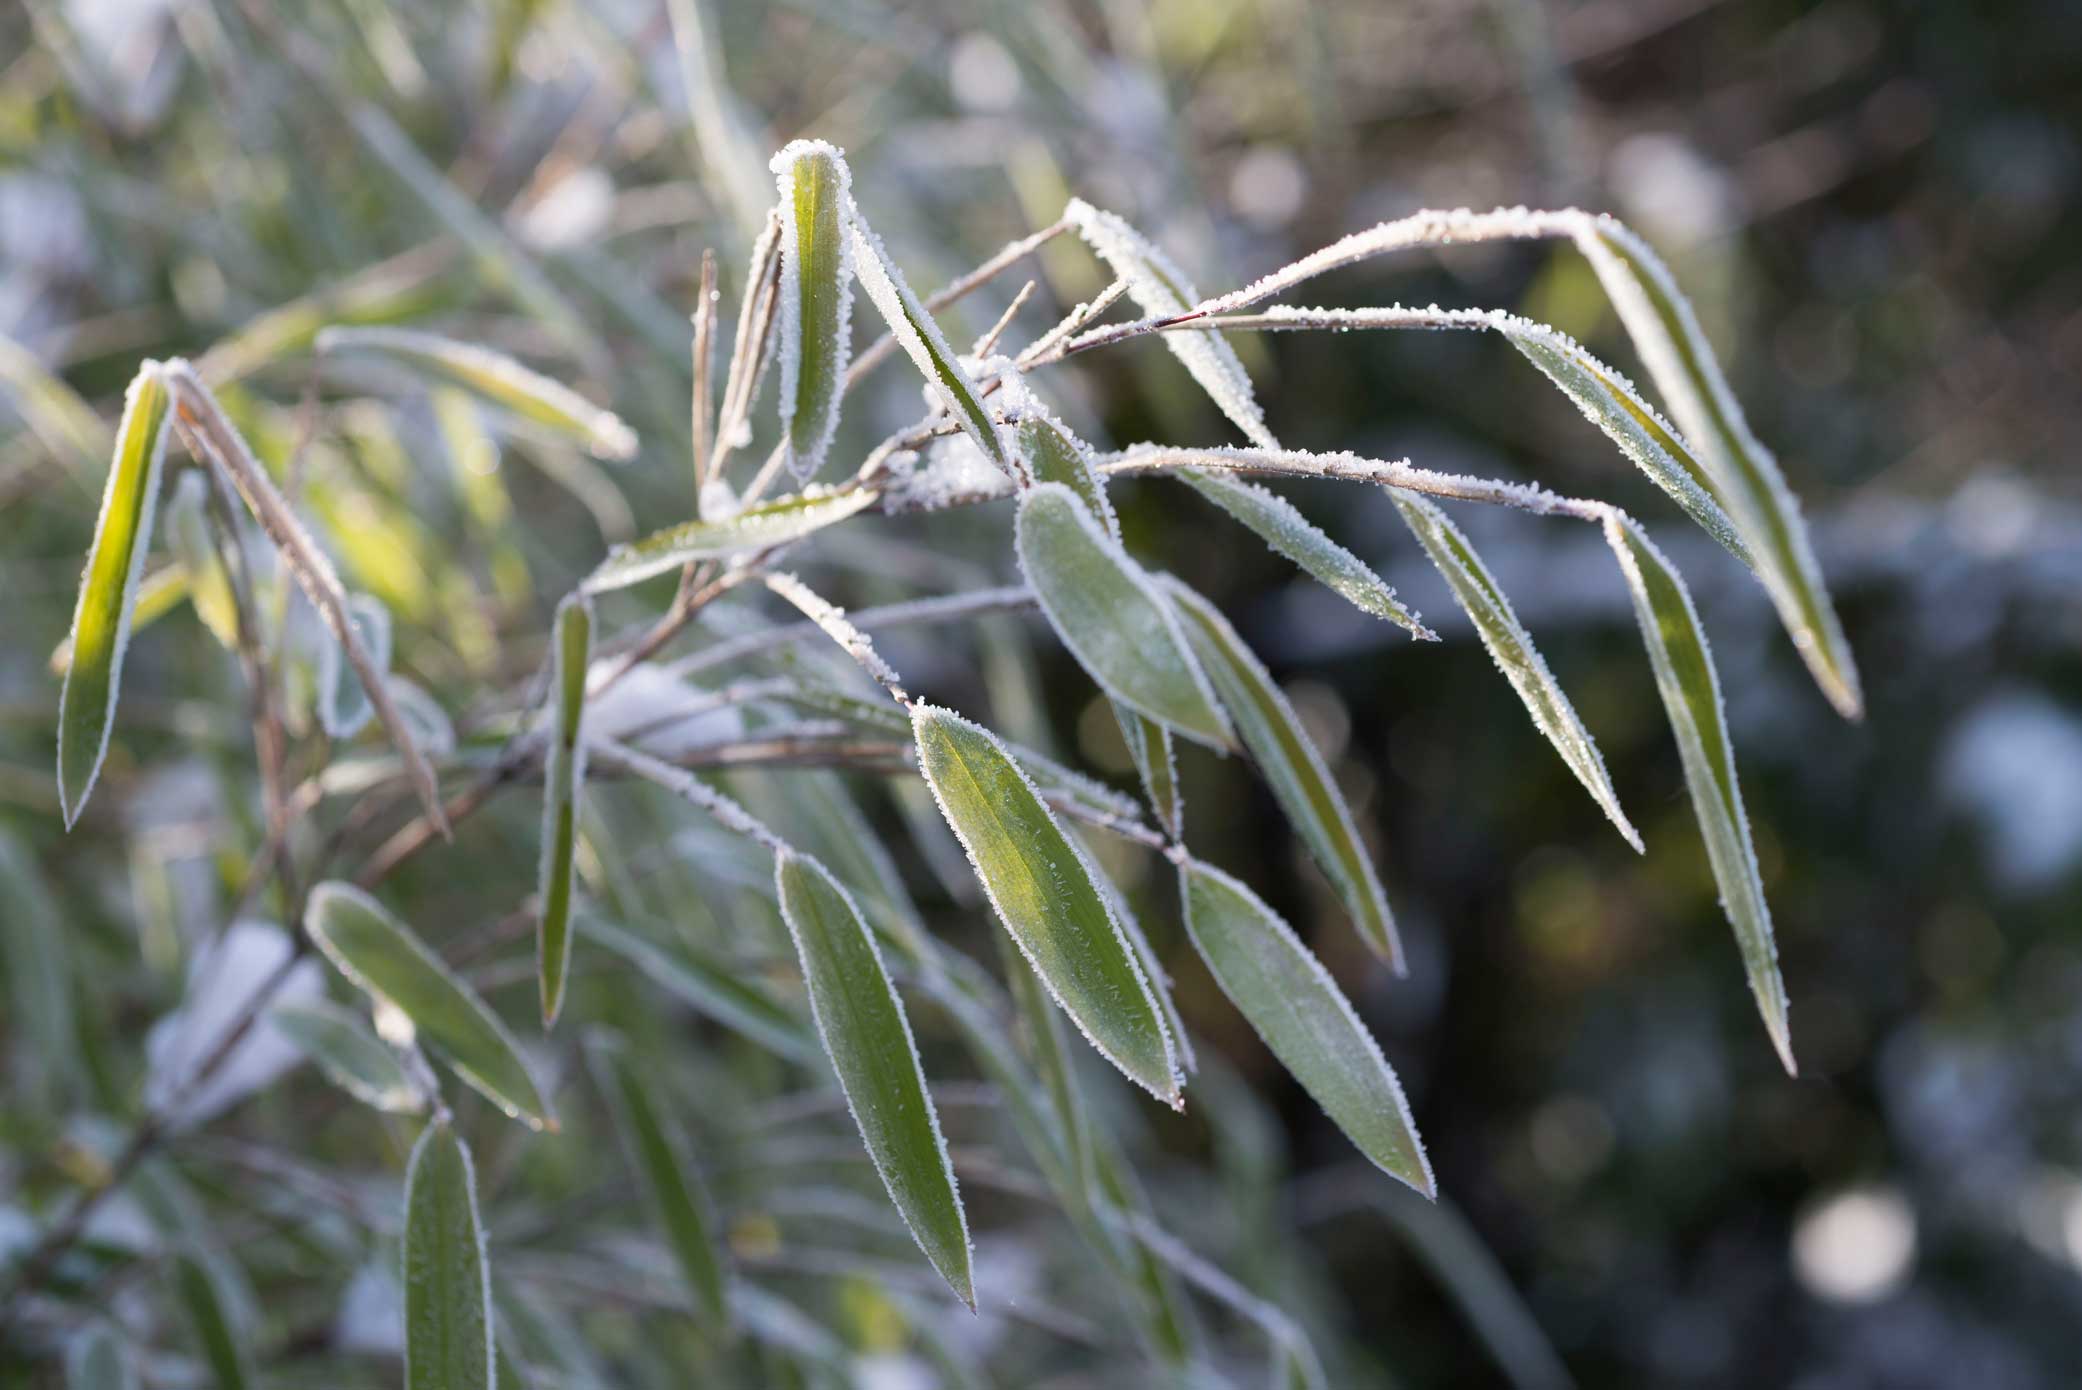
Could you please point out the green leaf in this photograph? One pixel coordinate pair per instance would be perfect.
(1149, 746)
(1292, 767)
(756, 528)
(1692, 698)
(713, 988)
(657, 1151)
(1111, 617)
(816, 307)
(1511, 647)
(1044, 890)
(862, 1023)
(205, 1293)
(96, 1360)
(1291, 1002)
(1280, 525)
(352, 1057)
(448, 1284)
(563, 776)
(380, 955)
(108, 590)
(921, 339)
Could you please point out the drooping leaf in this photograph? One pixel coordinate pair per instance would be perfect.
(448, 1285)
(1110, 616)
(1511, 647)
(108, 590)
(1292, 1003)
(816, 307)
(1292, 767)
(1692, 698)
(344, 707)
(97, 1360)
(1044, 890)
(712, 988)
(755, 528)
(352, 1057)
(868, 1039)
(658, 1152)
(380, 954)
(563, 777)
(205, 1290)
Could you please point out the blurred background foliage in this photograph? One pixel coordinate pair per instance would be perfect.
(1875, 204)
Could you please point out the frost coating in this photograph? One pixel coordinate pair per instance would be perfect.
(754, 528)
(832, 619)
(450, 1332)
(816, 307)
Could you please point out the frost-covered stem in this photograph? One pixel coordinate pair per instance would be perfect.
(1011, 254)
(989, 340)
(1042, 348)
(704, 352)
(1123, 826)
(948, 608)
(831, 620)
(684, 784)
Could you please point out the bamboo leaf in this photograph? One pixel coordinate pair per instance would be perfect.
(448, 1286)
(1293, 768)
(1692, 698)
(657, 1151)
(1044, 891)
(1156, 763)
(756, 528)
(1111, 617)
(108, 590)
(563, 777)
(344, 707)
(206, 1296)
(380, 955)
(96, 1360)
(861, 1021)
(816, 308)
(1511, 647)
(713, 988)
(1292, 1003)
(352, 1057)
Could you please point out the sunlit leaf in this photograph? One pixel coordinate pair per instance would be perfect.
(868, 1038)
(448, 1284)
(1044, 891)
(108, 590)
(1692, 698)
(380, 955)
(816, 307)
(755, 528)
(1292, 1003)
(352, 1057)
(563, 777)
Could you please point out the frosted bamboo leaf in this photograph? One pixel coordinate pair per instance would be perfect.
(159, 592)
(1111, 617)
(1293, 768)
(921, 339)
(108, 590)
(1511, 647)
(497, 378)
(1044, 891)
(816, 307)
(657, 1150)
(187, 529)
(449, 1326)
(344, 706)
(563, 779)
(204, 1286)
(868, 1038)
(756, 528)
(1291, 1002)
(381, 956)
(351, 1057)
(1692, 698)
(1156, 763)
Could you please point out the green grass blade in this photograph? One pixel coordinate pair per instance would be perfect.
(350, 1056)
(816, 308)
(656, 1150)
(1692, 698)
(563, 778)
(1111, 617)
(756, 528)
(1043, 890)
(108, 591)
(206, 1297)
(380, 955)
(96, 1360)
(1511, 647)
(1293, 768)
(868, 1038)
(448, 1285)
(1292, 1003)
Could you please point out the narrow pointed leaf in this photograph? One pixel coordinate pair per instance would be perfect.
(448, 1286)
(207, 1299)
(1293, 768)
(1692, 698)
(1045, 892)
(773, 523)
(657, 1151)
(1511, 647)
(344, 707)
(108, 590)
(380, 955)
(1156, 763)
(816, 307)
(1111, 617)
(1291, 1002)
(868, 1038)
(563, 776)
(352, 1057)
